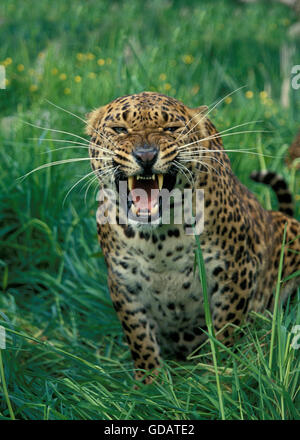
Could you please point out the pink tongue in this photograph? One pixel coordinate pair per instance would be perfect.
(145, 197)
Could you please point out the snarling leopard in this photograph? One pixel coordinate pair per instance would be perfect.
(149, 143)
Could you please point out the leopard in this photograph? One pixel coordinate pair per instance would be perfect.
(152, 142)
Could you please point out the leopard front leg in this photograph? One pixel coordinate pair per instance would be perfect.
(230, 300)
(228, 313)
(139, 332)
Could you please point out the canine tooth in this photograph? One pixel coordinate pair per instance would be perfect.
(160, 181)
(138, 177)
(154, 210)
(153, 176)
(133, 209)
(130, 183)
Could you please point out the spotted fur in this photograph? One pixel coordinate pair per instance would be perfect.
(155, 292)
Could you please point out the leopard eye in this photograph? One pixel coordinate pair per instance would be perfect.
(120, 130)
(171, 129)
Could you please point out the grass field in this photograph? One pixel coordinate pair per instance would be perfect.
(65, 355)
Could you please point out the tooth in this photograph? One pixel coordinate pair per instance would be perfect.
(133, 209)
(130, 183)
(160, 181)
(154, 210)
(138, 177)
(153, 176)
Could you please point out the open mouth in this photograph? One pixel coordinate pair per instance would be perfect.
(144, 195)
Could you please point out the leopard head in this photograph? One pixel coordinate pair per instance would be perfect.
(151, 142)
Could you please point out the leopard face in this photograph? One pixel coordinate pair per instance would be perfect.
(141, 140)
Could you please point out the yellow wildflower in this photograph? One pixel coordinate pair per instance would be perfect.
(20, 67)
(7, 62)
(101, 62)
(188, 59)
(249, 94)
(92, 75)
(167, 86)
(33, 88)
(80, 56)
(228, 100)
(263, 94)
(77, 78)
(54, 71)
(195, 90)
(163, 77)
(63, 76)
(90, 56)
(67, 91)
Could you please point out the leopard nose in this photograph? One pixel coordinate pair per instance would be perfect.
(146, 155)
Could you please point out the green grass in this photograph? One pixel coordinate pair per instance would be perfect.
(66, 357)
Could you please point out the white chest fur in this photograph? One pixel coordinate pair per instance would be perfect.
(159, 274)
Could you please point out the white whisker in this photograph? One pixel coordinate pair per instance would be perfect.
(105, 150)
(93, 180)
(81, 119)
(63, 148)
(236, 126)
(56, 131)
(195, 153)
(218, 135)
(210, 109)
(107, 173)
(59, 162)
(77, 183)
(183, 168)
(201, 163)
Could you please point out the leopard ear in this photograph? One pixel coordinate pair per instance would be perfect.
(198, 113)
(93, 118)
(200, 110)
